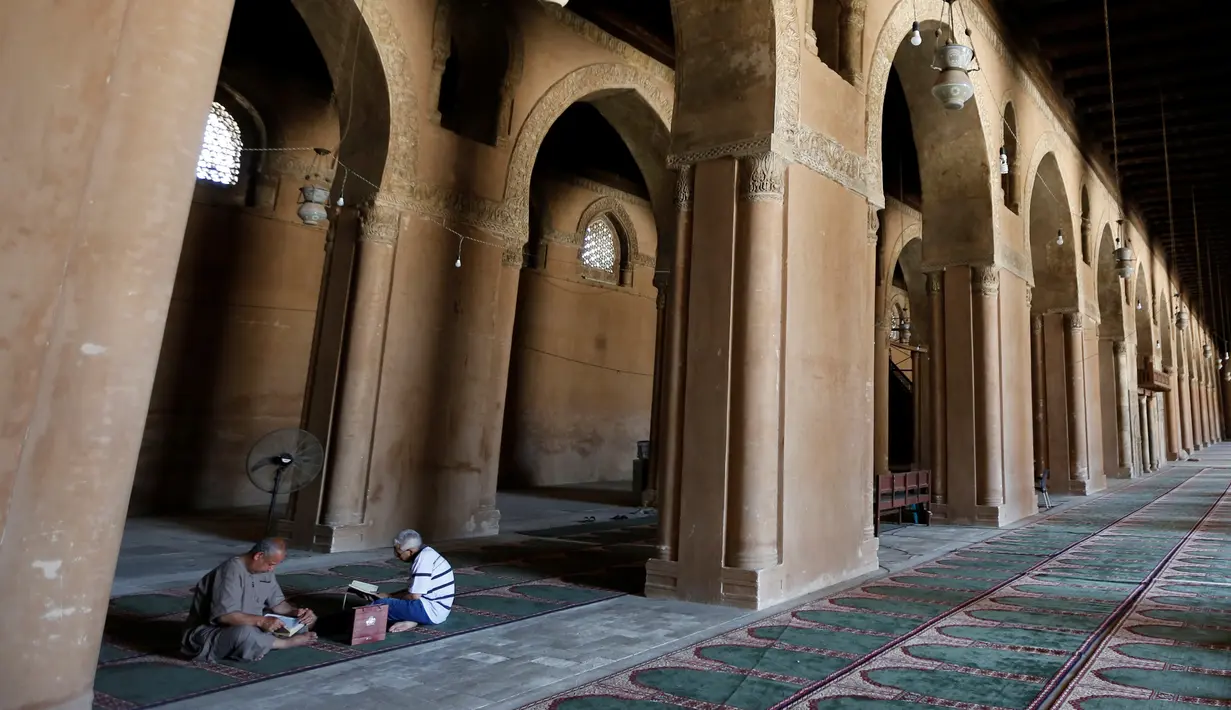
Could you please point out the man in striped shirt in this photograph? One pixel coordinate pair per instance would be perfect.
(429, 597)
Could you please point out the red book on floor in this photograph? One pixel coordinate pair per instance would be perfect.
(370, 623)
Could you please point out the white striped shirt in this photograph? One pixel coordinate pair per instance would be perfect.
(431, 577)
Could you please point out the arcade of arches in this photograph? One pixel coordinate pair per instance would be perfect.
(776, 258)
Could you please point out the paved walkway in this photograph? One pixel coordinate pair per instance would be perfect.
(512, 665)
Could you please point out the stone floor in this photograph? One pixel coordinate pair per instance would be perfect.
(497, 668)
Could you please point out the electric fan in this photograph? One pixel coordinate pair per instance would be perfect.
(284, 461)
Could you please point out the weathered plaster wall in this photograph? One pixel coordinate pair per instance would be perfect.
(582, 368)
(826, 458)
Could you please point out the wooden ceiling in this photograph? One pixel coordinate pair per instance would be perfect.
(1167, 58)
(1168, 55)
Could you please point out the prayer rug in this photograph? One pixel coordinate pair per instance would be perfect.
(1011, 622)
(497, 583)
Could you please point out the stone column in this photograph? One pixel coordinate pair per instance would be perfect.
(936, 300)
(985, 283)
(756, 352)
(916, 370)
(1038, 390)
(880, 389)
(1181, 386)
(851, 49)
(105, 106)
(1123, 413)
(351, 443)
(1156, 428)
(1074, 347)
(1147, 443)
(674, 375)
(649, 492)
(1171, 410)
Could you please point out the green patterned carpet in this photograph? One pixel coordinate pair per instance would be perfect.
(1124, 601)
(546, 571)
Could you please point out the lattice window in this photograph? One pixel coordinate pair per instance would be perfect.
(221, 149)
(598, 248)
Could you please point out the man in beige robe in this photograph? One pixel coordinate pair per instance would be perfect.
(227, 618)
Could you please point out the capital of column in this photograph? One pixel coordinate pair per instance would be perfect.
(1075, 321)
(762, 177)
(661, 299)
(378, 223)
(1118, 347)
(683, 188)
(1029, 298)
(1036, 324)
(874, 223)
(936, 280)
(985, 280)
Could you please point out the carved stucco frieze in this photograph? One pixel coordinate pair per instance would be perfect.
(1118, 347)
(1029, 298)
(378, 222)
(874, 225)
(1076, 321)
(826, 156)
(985, 280)
(401, 161)
(787, 68)
(936, 281)
(762, 177)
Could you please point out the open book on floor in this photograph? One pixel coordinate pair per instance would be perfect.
(366, 592)
(291, 626)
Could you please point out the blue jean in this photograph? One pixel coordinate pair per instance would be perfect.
(406, 610)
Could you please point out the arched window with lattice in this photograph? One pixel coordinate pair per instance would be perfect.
(600, 247)
(221, 148)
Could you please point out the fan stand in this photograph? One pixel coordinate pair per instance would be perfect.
(284, 461)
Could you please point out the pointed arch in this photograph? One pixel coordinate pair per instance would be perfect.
(642, 122)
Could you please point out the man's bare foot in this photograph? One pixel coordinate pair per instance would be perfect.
(402, 626)
(295, 641)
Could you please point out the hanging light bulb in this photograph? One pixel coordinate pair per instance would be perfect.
(915, 38)
(1207, 350)
(1060, 237)
(1139, 305)
(1158, 345)
(1004, 161)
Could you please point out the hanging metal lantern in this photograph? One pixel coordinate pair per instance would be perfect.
(1209, 352)
(312, 204)
(1181, 319)
(953, 87)
(1126, 262)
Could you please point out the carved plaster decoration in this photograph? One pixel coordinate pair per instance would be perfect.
(762, 178)
(1029, 297)
(379, 223)
(683, 188)
(786, 64)
(613, 210)
(936, 281)
(1076, 321)
(1036, 324)
(401, 161)
(986, 280)
(826, 156)
(874, 226)
(575, 86)
(1118, 347)
(660, 300)
(441, 50)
